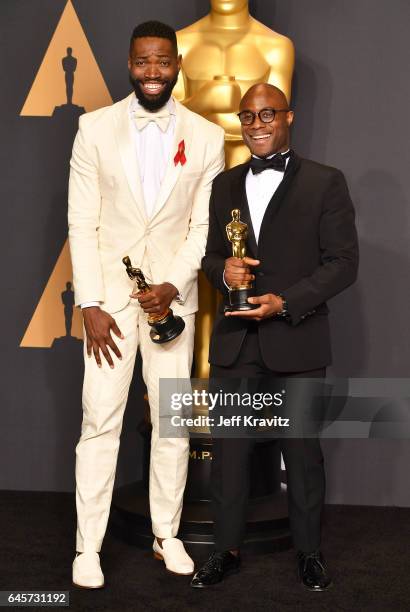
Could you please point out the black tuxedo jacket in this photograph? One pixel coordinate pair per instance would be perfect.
(308, 252)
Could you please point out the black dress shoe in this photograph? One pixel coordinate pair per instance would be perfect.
(312, 571)
(219, 565)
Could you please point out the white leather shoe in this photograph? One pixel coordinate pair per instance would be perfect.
(174, 556)
(87, 571)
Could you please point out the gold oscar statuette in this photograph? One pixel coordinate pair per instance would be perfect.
(237, 232)
(164, 326)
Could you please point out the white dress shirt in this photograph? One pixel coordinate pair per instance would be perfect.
(153, 150)
(259, 192)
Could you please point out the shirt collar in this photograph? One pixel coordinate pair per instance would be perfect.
(273, 155)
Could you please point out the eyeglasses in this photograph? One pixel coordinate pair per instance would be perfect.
(266, 115)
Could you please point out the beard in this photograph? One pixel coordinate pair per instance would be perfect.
(153, 104)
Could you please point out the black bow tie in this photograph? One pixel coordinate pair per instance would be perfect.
(277, 162)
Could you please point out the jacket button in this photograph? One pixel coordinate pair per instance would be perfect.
(261, 274)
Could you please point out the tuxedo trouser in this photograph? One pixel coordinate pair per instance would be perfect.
(231, 463)
(105, 394)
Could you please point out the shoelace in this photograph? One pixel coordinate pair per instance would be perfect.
(315, 556)
(214, 562)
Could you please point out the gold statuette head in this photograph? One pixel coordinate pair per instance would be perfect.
(136, 274)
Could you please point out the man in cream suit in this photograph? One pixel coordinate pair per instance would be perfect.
(141, 175)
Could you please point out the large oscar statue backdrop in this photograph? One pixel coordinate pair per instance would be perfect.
(224, 54)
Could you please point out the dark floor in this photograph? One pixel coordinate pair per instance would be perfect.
(367, 549)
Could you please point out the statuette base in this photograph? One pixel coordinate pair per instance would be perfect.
(238, 300)
(166, 329)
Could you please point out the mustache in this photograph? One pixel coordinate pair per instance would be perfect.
(142, 81)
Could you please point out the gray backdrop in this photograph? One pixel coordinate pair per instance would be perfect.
(350, 87)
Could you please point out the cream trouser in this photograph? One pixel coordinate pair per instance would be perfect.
(105, 395)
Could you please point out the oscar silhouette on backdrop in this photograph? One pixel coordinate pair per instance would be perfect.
(69, 110)
(69, 64)
(67, 297)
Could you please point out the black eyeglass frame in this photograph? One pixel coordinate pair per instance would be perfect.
(275, 110)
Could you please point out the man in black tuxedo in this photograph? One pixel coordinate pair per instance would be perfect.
(301, 230)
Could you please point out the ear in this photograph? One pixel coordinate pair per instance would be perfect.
(179, 61)
(129, 63)
(289, 117)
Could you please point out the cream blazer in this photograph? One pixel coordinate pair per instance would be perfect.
(106, 212)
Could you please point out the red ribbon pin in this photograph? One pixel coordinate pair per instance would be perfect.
(180, 154)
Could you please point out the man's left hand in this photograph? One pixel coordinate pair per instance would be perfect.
(270, 305)
(158, 299)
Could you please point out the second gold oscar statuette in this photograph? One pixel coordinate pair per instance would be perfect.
(237, 232)
(164, 326)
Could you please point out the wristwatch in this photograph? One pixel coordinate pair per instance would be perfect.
(284, 313)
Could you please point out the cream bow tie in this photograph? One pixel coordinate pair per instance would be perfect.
(143, 117)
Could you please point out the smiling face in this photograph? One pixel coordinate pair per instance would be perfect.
(153, 67)
(264, 139)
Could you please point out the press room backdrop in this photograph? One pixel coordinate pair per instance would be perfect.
(350, 96)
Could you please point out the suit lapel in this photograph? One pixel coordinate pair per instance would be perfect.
(239, 200)
(126, 147)
(279, 195)
(183, 131)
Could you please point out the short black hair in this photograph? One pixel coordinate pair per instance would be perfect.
(156, 29)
